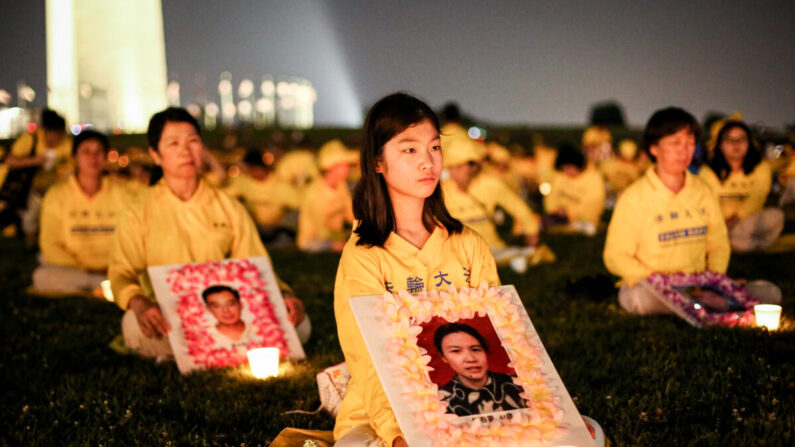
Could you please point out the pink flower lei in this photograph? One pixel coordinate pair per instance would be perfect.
(188, 282)
(401, 316)
(664, 284)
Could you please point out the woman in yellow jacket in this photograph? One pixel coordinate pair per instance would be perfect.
(668, 221)
(577, 194)
(405, 239)
(79, 216)
(741, 180)
(179, 220)
(326, 206)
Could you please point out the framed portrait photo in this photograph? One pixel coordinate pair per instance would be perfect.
(466, 367)
(704, 298)
(218, 311)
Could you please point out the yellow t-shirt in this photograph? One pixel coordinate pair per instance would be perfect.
(475, 207)
(297, 167)
(619, 173)
(23, 148)
(77, 230)
(266, 200)
(583, 197)
(545, 157)
(740, 195)
(323, 213)
(161, 229)
(460, 260)
(654, 230)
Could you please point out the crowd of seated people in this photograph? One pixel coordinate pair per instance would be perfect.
(427, 198)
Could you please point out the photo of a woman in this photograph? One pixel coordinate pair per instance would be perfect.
(474, 389)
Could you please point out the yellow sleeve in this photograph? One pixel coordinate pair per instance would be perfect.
(621, 243)
(247, 242)
(53, 247)
(357, 276)
(128, 257)
(718, 247)
(551, 200)
(232, 189)
(755, 201)
(23, 146)
(289, 195)
(483, 266)
(516, 207)
(593, 202)
(309, 221)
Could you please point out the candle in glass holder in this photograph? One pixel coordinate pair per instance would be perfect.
(767, 315)
(264, 362)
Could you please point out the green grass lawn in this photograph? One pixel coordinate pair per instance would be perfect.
(648, 381)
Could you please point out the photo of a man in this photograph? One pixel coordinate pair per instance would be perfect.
(223, 302)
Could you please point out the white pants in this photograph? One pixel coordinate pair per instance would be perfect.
(757, 231)
(48, 278)
(135, 339)
(360, 436)
(640, 301)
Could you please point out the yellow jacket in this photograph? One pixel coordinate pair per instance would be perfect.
(297, 167)
(475, 207)
(77, 230)
(619, 173)
(266, 200)
(583, 197)
(461, 260)
(654, 230)
(23, 148)
(323, 213)
(161, 229)
(740, 195)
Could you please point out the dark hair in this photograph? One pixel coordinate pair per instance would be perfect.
(253, 157)
(159, 120)
(89, 134)
(50, 120)
(219, 288)
(666, 122)
(372, 206)
(718, 162)
(451, 328)
(569, 155)
(451, 113)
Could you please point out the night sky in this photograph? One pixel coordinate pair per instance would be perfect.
(505, 62)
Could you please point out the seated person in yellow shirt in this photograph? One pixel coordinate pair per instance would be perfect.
(668, 221)
(78, 218)
(472, 196)
(597, 144)
(266, 197)
(326, 206)
(621, 170)
(406, 240)
(179, 220)
(741, 180)
(43, 155)
(576, 198)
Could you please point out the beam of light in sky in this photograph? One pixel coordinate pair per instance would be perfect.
(337, 89)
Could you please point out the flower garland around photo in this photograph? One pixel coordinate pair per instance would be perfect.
(664, 285)
(401, 316)
(188, 282)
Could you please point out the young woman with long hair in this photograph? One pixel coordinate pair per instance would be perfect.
(405, 239)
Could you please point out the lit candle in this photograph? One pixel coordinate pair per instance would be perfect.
(106, 292)
(264, 362)
(767, 315)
